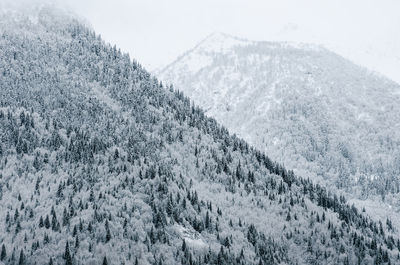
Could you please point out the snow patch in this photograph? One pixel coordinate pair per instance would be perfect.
(191, 237)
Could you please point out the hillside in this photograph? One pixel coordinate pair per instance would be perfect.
(102, 164)
(305, 106)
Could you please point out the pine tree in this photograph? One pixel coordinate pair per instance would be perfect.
(208, 221)
(21, 258)
(37, 184)
(220, 257)
(8, 217)
(108, 233)
(3, 253)
(226, 242)
(91, 196)
(36, 165)
(16, 214)
(116, 154)
(90, 227)
(183, 245)
(76, 242)
(47, 222)
(18, 227)
(60, 191)
(54, 223)
(288, 217)
(65, 217)
(67, 255)
(105, 261)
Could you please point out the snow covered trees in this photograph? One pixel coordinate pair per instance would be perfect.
(3, 253)
(303, 105)
(67, 255)
(116, 164)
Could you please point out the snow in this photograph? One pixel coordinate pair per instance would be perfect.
(291, 99)
(194, 64)
(103, 158)
(191, 237)
(103, 96)
(220, 43)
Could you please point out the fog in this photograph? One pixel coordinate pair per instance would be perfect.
(155, 32)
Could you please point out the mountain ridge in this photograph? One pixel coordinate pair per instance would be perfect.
(247, 89)
(102, 164)
(220, 37)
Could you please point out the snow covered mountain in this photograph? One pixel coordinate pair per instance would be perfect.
(378, 53)
(303, 105)
(102, 164)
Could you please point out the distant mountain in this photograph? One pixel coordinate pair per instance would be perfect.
(303, 105)
(102, 164)
(380, 54)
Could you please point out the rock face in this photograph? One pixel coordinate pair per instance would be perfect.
(303, 105)
(101, 164)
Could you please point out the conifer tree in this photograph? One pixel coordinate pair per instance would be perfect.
(21, 258)
(47, 222)
(67, 255)
(108, 233)
(18, 227)
(16, 214)
(183, 245)
(76, 242)
(3, 253)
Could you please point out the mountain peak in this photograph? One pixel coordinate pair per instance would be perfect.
(220, 42)
(253, 87)
(218, 36)
(202, 54)
(129, 171)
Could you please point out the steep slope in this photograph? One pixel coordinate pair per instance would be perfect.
(101, 164)
(380, 54)
(303, 105)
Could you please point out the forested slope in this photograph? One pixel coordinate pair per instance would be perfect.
(102, 164)
(305, 106)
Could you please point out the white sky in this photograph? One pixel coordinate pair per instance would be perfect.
(155, 32)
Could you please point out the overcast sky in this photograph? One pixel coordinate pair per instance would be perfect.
(155, 32)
